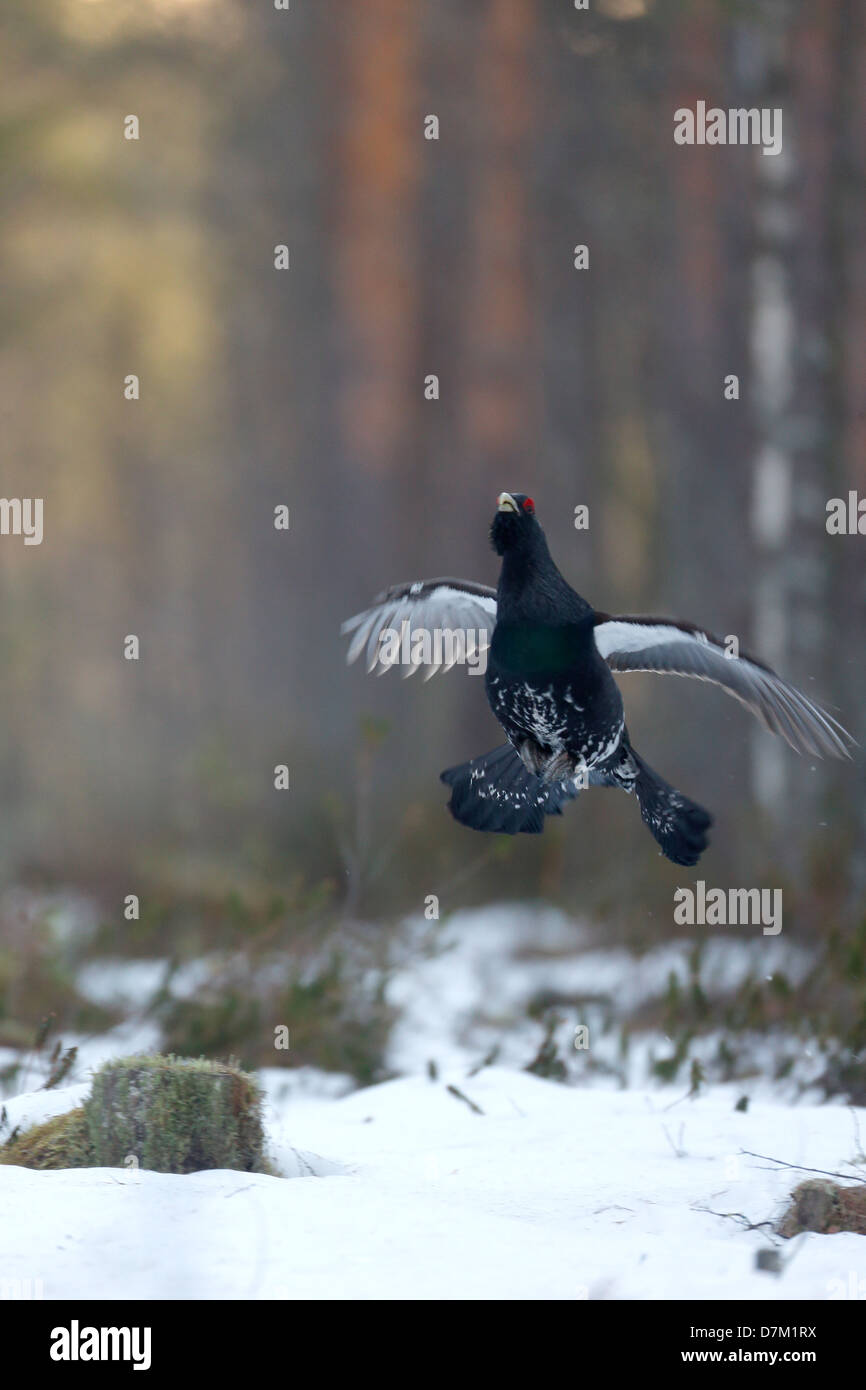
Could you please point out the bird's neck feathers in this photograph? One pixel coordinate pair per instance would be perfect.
(531, 587)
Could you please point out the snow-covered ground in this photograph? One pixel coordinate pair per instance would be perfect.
(471, 995)
(463, 987)
(534, 1190)
(551, 1193)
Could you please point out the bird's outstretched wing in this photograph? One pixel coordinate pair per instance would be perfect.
(663, 645)
(448, 620)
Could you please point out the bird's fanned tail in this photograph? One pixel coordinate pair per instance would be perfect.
(495, 792)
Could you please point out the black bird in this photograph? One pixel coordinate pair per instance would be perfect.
(549, 684)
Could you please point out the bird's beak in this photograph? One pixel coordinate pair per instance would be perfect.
(505, 503)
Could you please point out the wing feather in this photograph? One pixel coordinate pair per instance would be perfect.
(429, 605)
(665, 646)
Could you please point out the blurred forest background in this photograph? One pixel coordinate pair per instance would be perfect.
(305, 387)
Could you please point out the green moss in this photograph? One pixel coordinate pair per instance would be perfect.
(63, 1142)
(175, 1115)
(166, 1114)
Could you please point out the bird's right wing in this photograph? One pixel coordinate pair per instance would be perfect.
(430, 623)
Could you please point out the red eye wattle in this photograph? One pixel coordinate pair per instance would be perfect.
(529, 505)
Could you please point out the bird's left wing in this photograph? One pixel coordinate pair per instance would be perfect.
(663, 645)
(430, 623)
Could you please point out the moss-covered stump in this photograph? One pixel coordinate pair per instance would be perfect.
(175, 1115)
(167, 1114)
(59, 1143)
(824, 1206)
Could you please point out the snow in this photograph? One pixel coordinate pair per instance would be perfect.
(34, 1108)
(553, 1192)
(610, 1187)
(488, 964)
(463, 986)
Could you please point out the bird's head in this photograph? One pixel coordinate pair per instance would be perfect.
(514, 524)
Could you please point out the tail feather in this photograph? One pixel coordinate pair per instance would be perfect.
(495, 792)
(679, 825)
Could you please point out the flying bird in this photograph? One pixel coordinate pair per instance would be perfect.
(548, 682)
